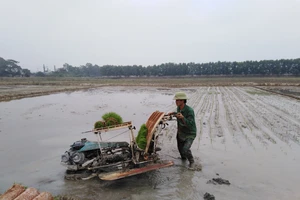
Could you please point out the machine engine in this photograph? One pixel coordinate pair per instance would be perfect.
(84, 154)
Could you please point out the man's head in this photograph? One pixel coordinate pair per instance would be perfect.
(180, 98)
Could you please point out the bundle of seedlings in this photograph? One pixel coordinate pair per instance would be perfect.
(109, 119)
(141, 138)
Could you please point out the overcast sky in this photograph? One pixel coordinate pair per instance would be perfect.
(147, 32)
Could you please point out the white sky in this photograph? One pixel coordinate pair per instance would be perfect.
(147, 32)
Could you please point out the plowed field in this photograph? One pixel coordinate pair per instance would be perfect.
(247, 136)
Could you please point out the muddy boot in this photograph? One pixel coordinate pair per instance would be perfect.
(192, 166)
(157, 149)
(182, 158)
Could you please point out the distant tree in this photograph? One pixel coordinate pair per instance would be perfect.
(40, 74)
(26, 72)
(9, 68)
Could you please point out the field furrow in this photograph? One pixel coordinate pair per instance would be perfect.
(279, 122)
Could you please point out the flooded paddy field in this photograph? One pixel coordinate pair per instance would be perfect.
(248, 136)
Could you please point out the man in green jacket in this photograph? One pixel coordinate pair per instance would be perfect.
(186, 128)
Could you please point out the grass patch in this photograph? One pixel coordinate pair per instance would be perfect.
(258, 92)
(153, 81)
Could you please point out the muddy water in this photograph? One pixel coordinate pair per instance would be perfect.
(246, 136)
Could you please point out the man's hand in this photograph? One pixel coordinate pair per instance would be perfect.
(171, 113)
(179, 116)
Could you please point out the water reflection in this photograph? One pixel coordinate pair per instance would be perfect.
(42, 128)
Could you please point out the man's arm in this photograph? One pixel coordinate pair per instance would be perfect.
(188, 120)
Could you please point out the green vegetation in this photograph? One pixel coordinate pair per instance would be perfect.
(257, 68)
(10, 68)
(258, 92)
(112, 118)
(141, 139)
(99, 124)
(109, 119)
(291, 67)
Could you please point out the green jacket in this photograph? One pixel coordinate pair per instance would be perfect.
(187, 126)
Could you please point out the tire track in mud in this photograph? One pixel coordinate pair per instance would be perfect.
(214, 115)
(225, 121)
(203, 115)
(236, 120)
(250, 120)
(196, 102)
(255, 118)
(270, 115)
(227, 125)
(219, 115)
(288, 113)
(208, 113)
(291, 106)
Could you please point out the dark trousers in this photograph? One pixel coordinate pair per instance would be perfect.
(184, 148)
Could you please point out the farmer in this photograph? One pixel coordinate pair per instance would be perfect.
(186, 128)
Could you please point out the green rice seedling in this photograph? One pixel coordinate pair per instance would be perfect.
(99, 124)
(141, 138)
(112, 118)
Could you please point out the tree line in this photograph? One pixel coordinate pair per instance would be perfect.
(259, 68)
(254, 68)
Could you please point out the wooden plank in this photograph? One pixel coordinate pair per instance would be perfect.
(131, 172)
(12, 192)
(29, 194)
(112, 127)
(18, 192)
(44, 196)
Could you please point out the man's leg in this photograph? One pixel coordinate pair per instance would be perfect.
(180, 145)
(187, 151)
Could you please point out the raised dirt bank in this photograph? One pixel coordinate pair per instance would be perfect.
(18, 88)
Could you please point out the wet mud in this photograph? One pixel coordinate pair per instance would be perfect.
(289, 91)
(219, 181)
(12, 92)
(208, 196)
(245, 135)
